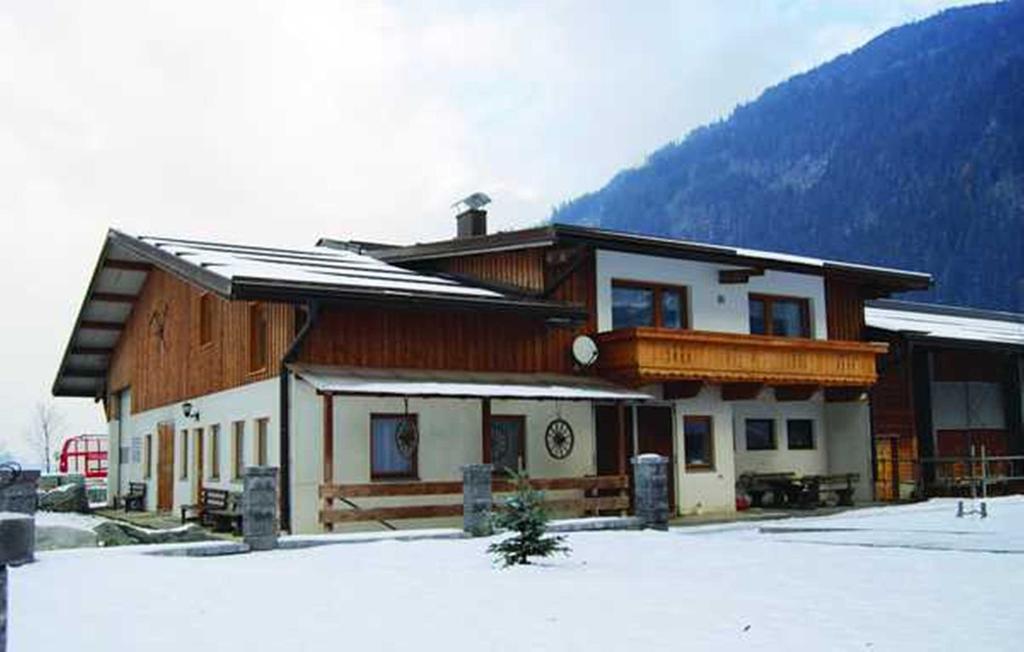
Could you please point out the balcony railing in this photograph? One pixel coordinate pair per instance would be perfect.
(649, 355)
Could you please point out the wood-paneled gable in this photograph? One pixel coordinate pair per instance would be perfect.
(160, 354)
(844, 305)
(522, 269)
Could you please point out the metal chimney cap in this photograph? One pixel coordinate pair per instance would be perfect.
(476, 201)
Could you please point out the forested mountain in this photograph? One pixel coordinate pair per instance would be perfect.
(908, 152)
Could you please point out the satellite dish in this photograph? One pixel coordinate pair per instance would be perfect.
(584, 350)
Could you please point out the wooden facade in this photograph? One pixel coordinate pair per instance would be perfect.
(161, 354)
(395, 338)
(844, 310)
(647, 355)
(522, 269)
(450, 340)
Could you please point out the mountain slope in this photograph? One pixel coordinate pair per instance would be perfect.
(908, 152)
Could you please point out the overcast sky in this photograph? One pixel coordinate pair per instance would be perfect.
(276, 123)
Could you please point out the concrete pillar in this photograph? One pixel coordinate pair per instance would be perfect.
(477, 500)
(17, 546)
(259, 507)
(650, 490)
(19, 495)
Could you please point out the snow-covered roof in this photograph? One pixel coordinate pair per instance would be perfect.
(460, 384)
(946, 322)
(318, 265)
(247, 272)
(885, 277)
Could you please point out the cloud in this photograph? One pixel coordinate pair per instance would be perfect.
(280, 122)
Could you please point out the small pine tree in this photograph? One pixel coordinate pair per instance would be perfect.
(525, 516)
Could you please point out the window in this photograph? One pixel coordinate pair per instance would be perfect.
(198, 455)
(215, 452)
(800, 434)
(508, 451)
(780, 316)
(642, 304)
(261, 441)
(147, 457)
(237, 449)
(257, 337)
(387, 459)
(698, 440)
(760, 435)
(205, 319)
(184, 454)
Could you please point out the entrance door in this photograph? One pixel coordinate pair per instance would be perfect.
(654, 435)
(165, 468)
(614, 442)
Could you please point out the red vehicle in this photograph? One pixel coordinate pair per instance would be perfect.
(85, 454)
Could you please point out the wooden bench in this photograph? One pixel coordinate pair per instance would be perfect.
(136, 497)
(790, 490)
(756, 485)
(217, 508)
(841, 484)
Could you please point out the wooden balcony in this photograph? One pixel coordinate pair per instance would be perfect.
(639, 356)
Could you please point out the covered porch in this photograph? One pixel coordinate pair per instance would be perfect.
(380, 448)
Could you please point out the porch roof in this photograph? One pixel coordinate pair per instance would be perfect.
(461, 384)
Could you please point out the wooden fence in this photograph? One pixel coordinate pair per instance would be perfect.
(599, 494)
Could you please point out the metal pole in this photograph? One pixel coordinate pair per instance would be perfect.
(984, 474)
(3, 607)
(974, 489)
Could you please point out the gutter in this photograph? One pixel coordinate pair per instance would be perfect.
(312, 313)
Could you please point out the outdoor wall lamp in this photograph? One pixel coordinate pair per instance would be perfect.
(189, 411)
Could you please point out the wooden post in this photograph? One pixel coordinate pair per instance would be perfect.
(485, 429)
(328, 450)
(622, 468)
(622, 437)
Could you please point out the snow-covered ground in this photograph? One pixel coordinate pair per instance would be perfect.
(898, 578)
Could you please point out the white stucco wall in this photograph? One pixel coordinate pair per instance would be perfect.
(247, 403)
(849, 434)
(450, 437)
(714, 490)
(804, 462)
(712, 305)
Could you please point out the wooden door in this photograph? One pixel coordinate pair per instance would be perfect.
(887, 481)
(613, 438)
(654, 435)
(165, 468)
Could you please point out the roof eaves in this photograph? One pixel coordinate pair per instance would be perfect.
(263, 289)
(175, 264)
(542, 236)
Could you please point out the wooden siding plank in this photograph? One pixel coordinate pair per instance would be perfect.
(159, 354)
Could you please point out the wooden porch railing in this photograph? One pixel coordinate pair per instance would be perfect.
(595, 498)
(645, 355)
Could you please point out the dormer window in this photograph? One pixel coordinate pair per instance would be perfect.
(648, 304)
(780, 316)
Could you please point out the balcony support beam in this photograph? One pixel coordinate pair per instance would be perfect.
(676, 389)
(794, 392)
(740, 391)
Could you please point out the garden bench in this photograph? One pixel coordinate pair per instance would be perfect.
(217, 508)
(136, 497)
(841, 484)
(758, 484)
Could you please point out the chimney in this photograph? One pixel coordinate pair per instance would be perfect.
(471, 222)
(472, 218)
